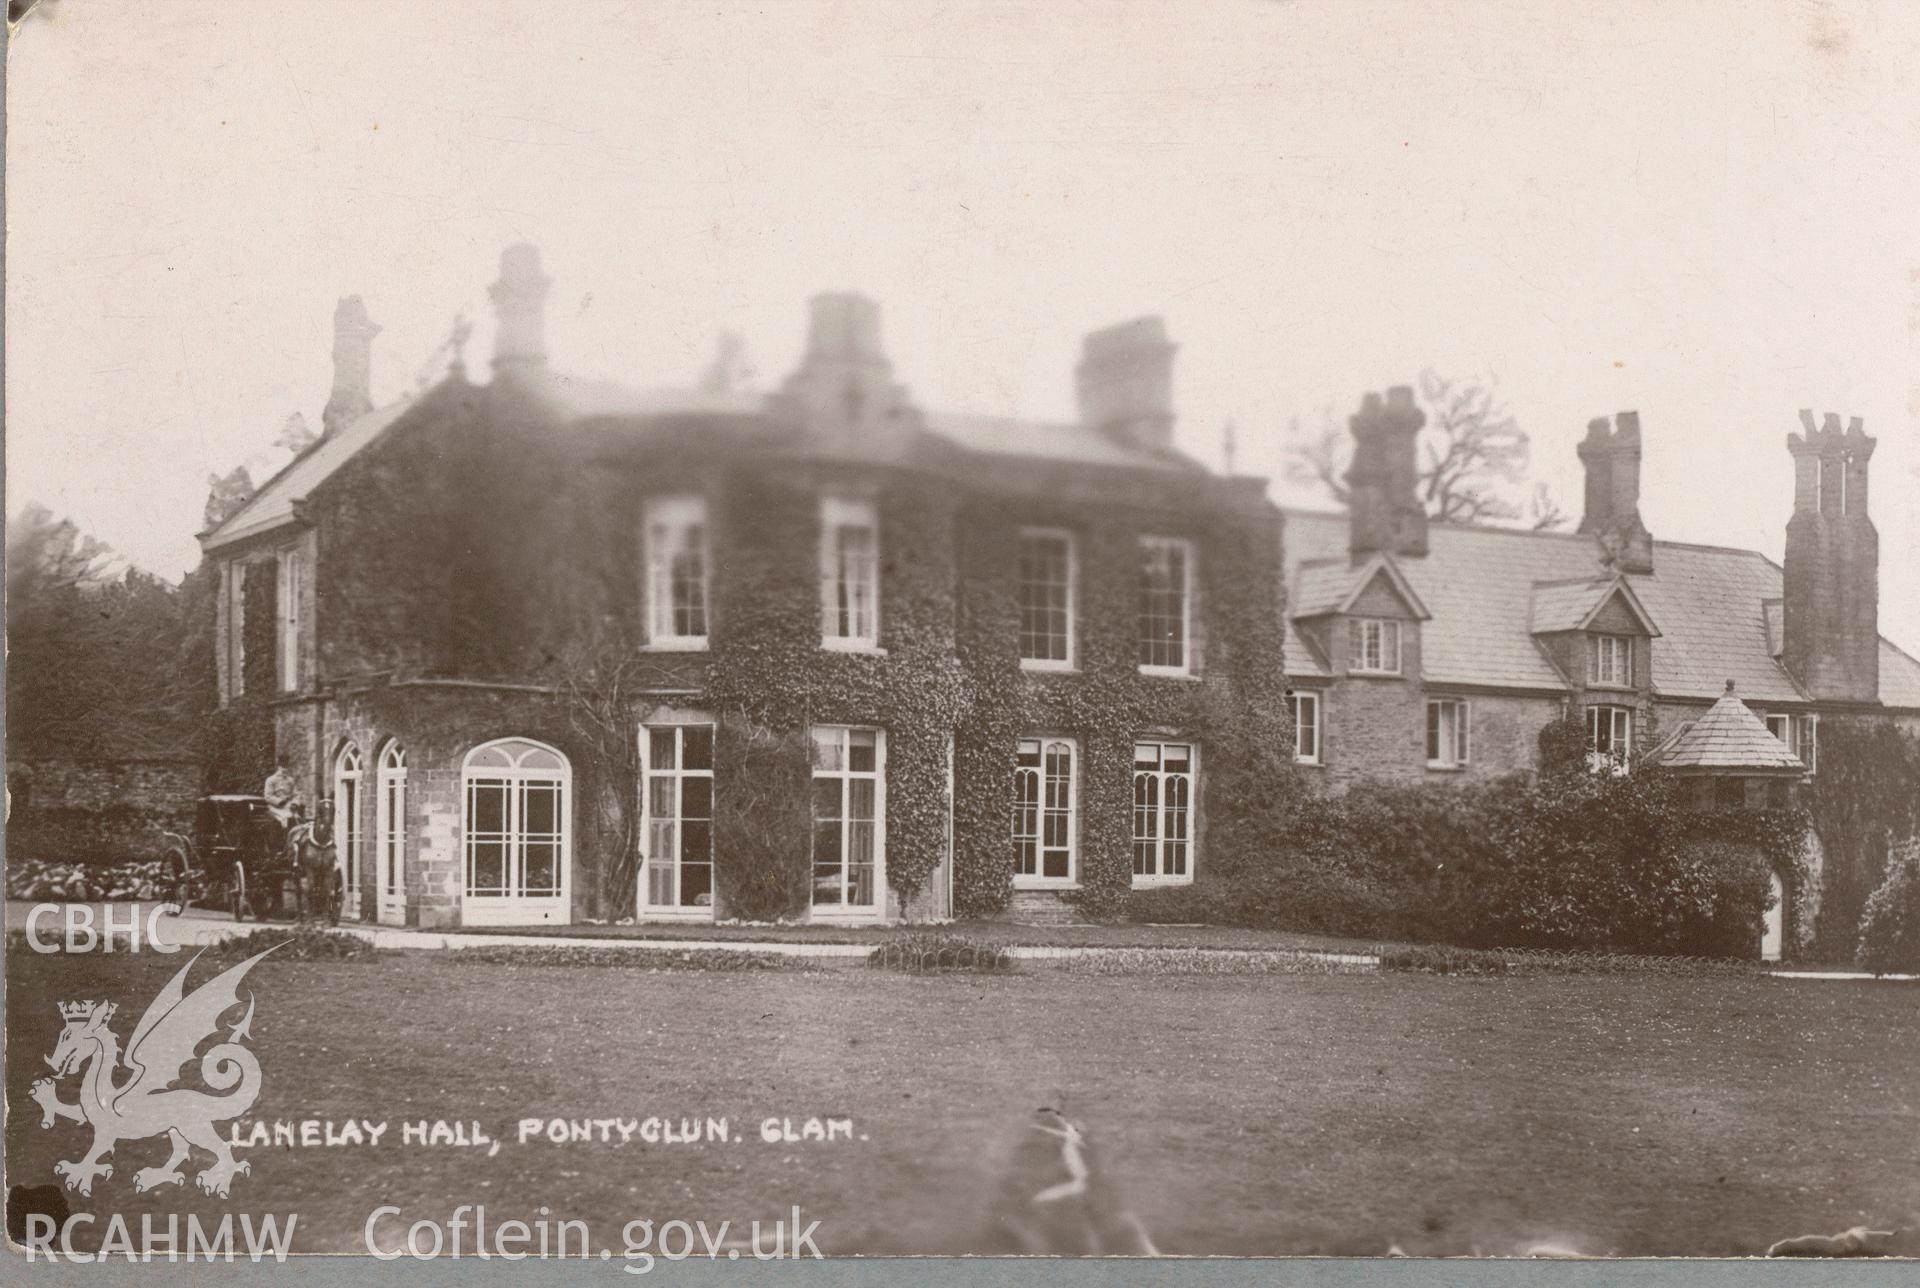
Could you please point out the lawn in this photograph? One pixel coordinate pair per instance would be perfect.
(1338, 1114)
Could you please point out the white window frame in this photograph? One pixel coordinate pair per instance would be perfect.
(512, 905)
(1367, 638)
(1455, 745)
(650, 860)
(349, 778)
(666, 524)
(287, 598)
(1165, 783)
(841, 575)
(846, 776)
(1296, 701)
(236, 629)
(1072, 587)
(1042, 745)
(1620, 737)
(1610, 661)
(390, 834)
(1799, 734)
(1190, 579)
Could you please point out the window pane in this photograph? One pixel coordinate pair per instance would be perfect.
(696, 797)
(829, 748)
(696, 743)
(861, 754)
(660, 796)
(1045, 592)
(696, 841)
(696, 885)
(542, 867)
(660, 749)
(860, 799)
(1163, 599)
(487, 809)
(660, 882)
(826, 798)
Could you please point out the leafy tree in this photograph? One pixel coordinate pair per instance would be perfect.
(1472, 455)
(94, 656)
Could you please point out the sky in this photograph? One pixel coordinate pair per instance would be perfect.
(1709, 213)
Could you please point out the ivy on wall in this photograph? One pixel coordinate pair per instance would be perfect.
(239, 738)
(1865, 797)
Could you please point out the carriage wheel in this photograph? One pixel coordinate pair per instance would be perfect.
(179, 884)
(237, 892)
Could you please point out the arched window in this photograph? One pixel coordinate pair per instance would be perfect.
(518, 843)
(346, 825)
(390, 833)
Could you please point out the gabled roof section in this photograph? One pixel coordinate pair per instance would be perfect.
(272, 506)
(1572, 605)
(1729, 738)
(1478, 582)
(1332, 587)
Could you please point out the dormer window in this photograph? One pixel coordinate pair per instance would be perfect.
(1610, 661)
(1374, 646)
(1801, 734)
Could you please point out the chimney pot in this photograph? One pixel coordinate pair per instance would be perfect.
(352, 395)
(519, 305)
(1125, 383)
(1611, 454)
(1830, 627)
(1385, 511)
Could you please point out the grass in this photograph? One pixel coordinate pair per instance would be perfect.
(1238, 1113)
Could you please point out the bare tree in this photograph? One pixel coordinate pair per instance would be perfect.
(1472, 454)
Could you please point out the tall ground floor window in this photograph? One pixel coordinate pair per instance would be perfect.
(677, 821)
(515, 795)
(1045, 812)
(348, 778)
(849, 820)
(390, 833)
(1609, 737)
(1163, 774)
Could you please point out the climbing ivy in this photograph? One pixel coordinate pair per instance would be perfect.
(948, 680)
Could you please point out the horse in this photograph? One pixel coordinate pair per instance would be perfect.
(316, 872)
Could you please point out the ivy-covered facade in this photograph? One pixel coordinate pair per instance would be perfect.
(552, 650)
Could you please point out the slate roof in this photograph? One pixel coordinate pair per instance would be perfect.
(584, 398)
(272, 505)
(1479, 585)
(1570, 605)
(1728, 738)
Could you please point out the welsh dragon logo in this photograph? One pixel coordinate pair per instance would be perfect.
(147, 1103)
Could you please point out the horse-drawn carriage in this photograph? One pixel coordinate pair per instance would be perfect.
(241, 857)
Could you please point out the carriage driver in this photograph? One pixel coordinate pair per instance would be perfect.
(282, 797)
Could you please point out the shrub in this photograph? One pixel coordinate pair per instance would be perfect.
(1890, 919)
(647, 959)
(1589, 862)
(941, 952)
(296, 943)
(1443, 960)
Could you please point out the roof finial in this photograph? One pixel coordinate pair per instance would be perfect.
(1729, 686)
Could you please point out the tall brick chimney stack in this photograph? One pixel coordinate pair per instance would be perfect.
(1125, 383)
(1611, 454)
(844, 385)
(1831, 627)
(352, 395)
(1385, 510)
(520, 306)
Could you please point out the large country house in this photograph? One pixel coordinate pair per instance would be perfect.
(1420, 649)
(1011, 657)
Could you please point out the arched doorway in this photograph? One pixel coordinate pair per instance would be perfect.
(347, 837)
(1773, 938)
(518, 843)
(390, 834)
